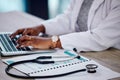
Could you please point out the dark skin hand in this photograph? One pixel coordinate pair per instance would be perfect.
(30, 38)
(35, 41)
(33, 31)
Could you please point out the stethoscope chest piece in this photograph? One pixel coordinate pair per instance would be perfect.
(91, 68)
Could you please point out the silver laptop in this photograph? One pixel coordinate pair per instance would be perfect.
(8, 46)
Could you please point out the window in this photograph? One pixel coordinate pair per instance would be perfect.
(57, 6)
(40, 8)
(10, 5)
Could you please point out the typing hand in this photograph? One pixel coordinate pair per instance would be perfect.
(33, 31)
(35, 42)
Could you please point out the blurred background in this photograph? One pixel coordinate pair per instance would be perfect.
(44, 9)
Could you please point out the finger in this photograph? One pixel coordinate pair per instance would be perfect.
(24, 44)
(20, 31)
(27, 32)
(24, 38)
(30, 32)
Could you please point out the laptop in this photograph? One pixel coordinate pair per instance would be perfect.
(8, 46)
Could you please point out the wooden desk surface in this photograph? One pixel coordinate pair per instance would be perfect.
(109, 58)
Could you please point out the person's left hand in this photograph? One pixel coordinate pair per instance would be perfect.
(35, 42)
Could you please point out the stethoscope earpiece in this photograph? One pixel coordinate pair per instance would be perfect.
(91, 68)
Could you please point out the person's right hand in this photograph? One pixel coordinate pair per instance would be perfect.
(33, 31)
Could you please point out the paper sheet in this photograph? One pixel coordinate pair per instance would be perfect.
(102, 73)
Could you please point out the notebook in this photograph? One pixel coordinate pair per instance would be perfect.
(8, 46)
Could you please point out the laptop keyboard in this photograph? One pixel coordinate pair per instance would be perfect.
(10, 44)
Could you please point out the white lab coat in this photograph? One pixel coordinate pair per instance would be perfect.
(103, 26)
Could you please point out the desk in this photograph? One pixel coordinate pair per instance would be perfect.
(109, 58)
(11, 21)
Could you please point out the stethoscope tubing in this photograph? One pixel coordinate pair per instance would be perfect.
(10, 66)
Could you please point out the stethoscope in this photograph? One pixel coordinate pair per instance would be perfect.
(44, 60)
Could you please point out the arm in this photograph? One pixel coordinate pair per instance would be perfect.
(56, 26)
(60, 24)
(106, 35)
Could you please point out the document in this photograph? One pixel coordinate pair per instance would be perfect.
(33, 69)
(103, 73)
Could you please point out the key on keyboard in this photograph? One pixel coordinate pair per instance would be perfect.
(10, 44)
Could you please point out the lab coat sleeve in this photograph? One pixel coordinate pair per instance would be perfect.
(107, 34)
(61, 24)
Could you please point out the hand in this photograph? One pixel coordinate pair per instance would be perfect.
(33, 31)
(35, 42)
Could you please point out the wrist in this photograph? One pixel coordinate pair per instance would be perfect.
(58, 45)
(56, 42)
(41, 28)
